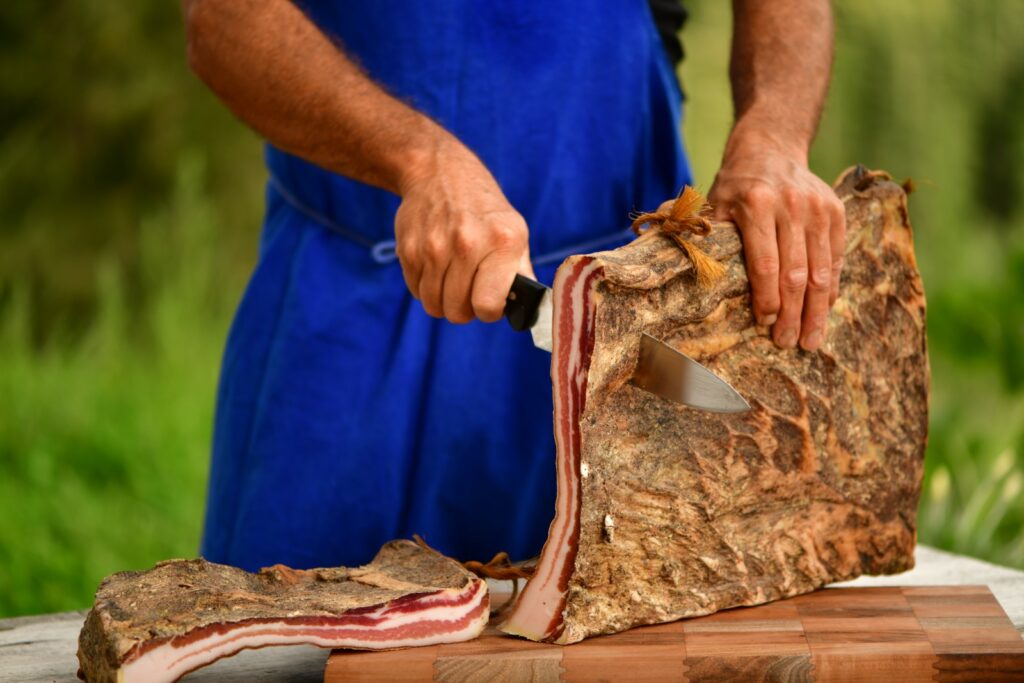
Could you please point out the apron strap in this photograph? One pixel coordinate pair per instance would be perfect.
(383, 252)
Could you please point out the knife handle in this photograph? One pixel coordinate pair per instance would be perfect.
(522, 303)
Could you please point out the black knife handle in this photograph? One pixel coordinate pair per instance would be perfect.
(522, 303)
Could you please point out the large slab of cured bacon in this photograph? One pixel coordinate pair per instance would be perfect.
(155, 626)
(666, 512)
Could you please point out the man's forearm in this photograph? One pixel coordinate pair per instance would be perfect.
(277, 72)
(792, 223)
(459, 241)
(781, 59)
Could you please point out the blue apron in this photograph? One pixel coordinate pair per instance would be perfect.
(345, 415)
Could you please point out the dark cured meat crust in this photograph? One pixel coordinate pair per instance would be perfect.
(188, 600)
(684, 513)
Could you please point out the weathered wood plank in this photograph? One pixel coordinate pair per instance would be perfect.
(40, 649)
(940, 568)
(849, 634)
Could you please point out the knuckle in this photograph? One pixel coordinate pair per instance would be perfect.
(795, 278)
(793, 199)
(816, 205)
(765, 266)
(821, 278)
(759, 197)
(838, 218)
(434, 248)
(838, 209)
(504, 236)
(464, 244)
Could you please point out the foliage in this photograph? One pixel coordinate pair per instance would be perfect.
(98, 110)
(104, 440)
(130, 204)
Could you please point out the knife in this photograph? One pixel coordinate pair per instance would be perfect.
(661, 369)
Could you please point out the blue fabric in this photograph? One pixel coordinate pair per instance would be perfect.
(346, 416)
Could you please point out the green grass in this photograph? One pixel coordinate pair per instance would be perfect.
(118, 281)
(104, 441)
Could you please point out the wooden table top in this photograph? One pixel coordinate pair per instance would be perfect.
(910, 634)
(42, 648)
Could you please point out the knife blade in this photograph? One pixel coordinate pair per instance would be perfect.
(661, 369)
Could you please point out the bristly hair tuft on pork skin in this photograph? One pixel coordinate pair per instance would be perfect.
(155, 626)
(666, 512)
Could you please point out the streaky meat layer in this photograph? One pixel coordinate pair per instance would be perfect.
(157, 625)
(573, 336)
(672, 512)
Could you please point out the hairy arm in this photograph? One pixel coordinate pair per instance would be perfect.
(792, 223)
(459, 241)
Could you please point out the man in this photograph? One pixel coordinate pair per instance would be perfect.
(485, 139)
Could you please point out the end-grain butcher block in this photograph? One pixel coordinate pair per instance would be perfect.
(155, 626)
(666, 512)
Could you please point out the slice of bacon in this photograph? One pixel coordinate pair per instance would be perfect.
(538, 613)
(156, 626)
(665, 512)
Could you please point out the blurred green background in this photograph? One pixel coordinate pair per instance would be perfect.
(130, 206)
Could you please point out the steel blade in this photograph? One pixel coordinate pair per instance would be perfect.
(671, 374)
(541, 330)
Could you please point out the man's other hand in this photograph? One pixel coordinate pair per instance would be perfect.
(458, 239)
(793, 229)
(792, 223)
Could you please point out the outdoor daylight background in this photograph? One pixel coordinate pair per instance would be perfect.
(130, 205)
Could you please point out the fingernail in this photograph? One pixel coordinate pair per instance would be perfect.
(788, 339)
(814, 340)
(768, 320)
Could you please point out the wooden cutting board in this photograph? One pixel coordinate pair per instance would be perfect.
(936, 633)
